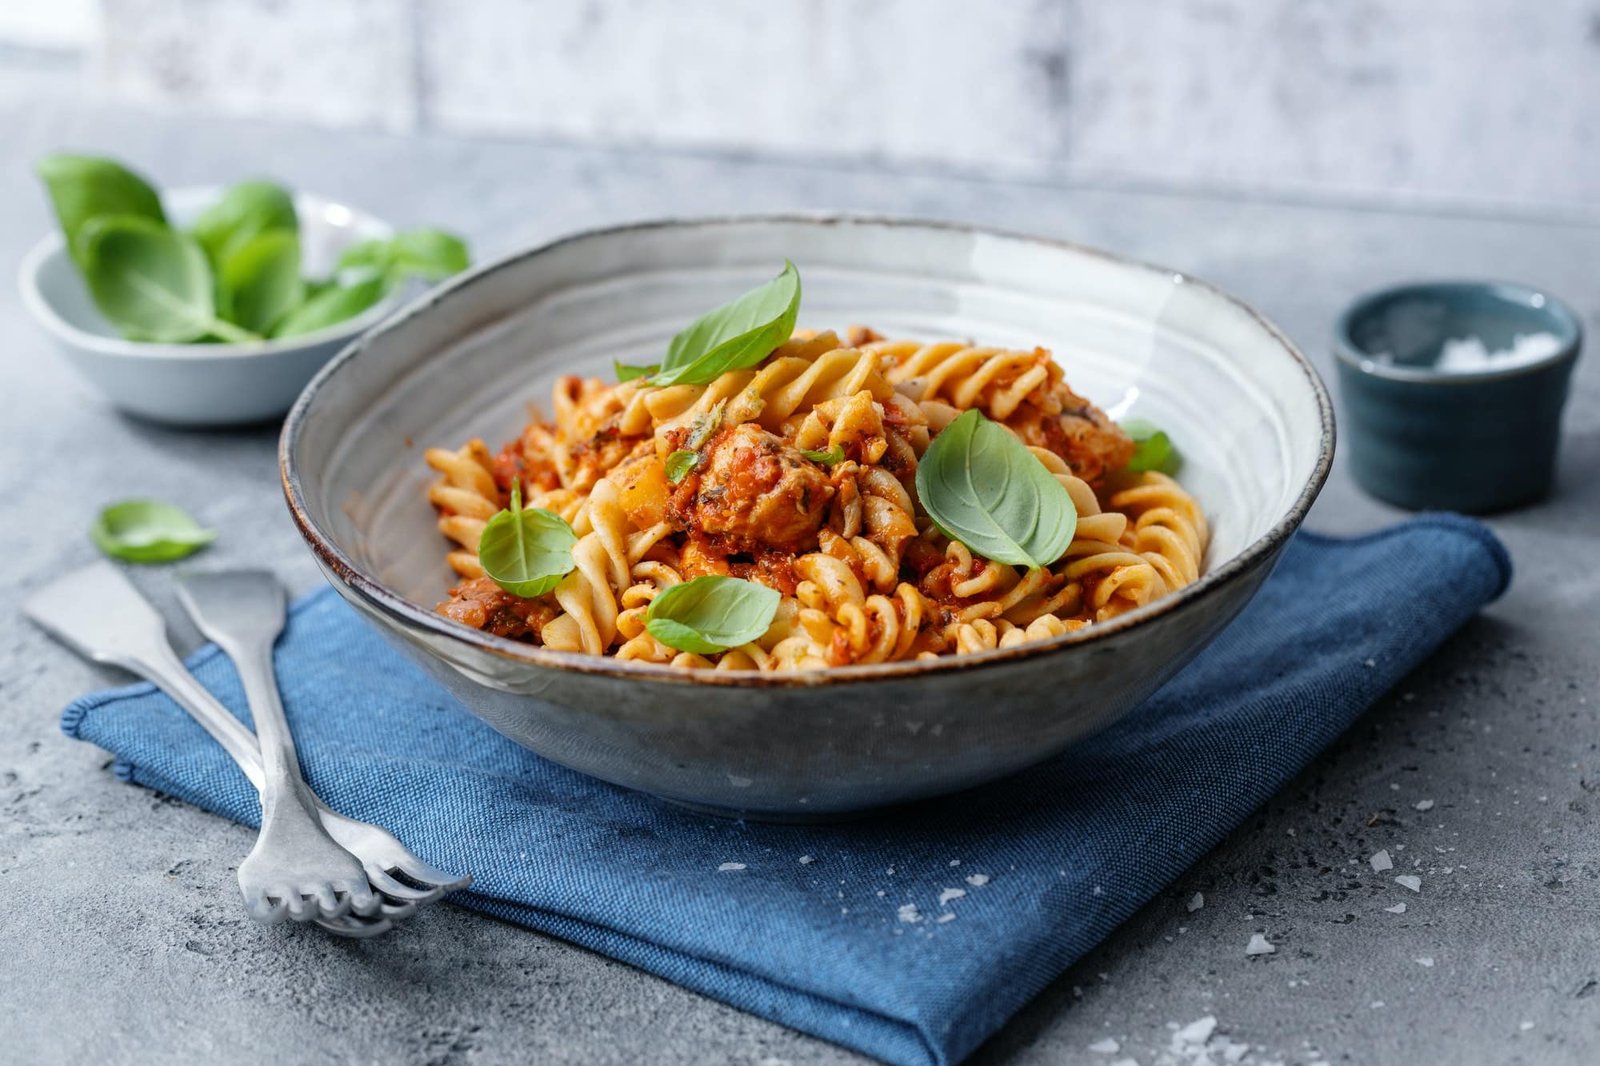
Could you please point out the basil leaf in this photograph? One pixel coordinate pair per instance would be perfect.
(983, 488)
(679, 463)
(152, 282)
(341, 302)
(423, 253)
(526, 551)
(1153, 449)
(148, 531)
(707, 424)
(711, 614)
(827, 458)
(245, 211)
(736, 335)
(259, 281)
(83, 187)
(628, 373)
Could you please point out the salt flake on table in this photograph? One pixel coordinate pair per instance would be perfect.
(1398, 908)
(955, 862)
(977, 880)
(947, 916)
(1525, 1026)
(1381, 862)
(1108, 1046)
(1259, 945)
(908, 913)
(949, 894)
(1424, 961)
(807, 860)
(1196, 901)
(1198, 1031)
(730, 867)
(1411, 881)
(1423, 805)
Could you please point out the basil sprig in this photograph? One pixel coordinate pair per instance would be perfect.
(982, 487)
(735, 335)
(1152, 448)
(827, 458)
(680, 463)
(526, 551)
(711, 614)
(236, 276)
(148, 531)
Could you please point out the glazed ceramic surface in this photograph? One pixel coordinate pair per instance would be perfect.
(1476, 441)
(1248, 412)
(198, 384)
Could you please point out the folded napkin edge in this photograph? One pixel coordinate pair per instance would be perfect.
(1470, 528)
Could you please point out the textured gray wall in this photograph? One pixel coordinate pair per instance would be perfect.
(1496, 100)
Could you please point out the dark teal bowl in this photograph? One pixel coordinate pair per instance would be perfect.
(1430, 439)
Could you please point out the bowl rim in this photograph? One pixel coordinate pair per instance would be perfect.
(43, 311)
(1355, 358)
(377, 596)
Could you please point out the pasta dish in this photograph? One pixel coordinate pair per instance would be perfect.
(811, 501)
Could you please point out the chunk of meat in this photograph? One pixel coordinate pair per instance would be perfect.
(752, 490)
(482, 604)
(1082, 434)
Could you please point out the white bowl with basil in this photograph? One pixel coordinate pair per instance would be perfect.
(202, 305)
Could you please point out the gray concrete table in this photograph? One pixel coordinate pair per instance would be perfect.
(121, 937)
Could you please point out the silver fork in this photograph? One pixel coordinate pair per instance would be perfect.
(99, 614)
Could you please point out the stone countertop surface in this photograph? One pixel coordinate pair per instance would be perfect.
(121, 936)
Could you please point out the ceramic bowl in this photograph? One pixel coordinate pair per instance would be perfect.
(1474, 440)
(1245, 407)
(198, 384)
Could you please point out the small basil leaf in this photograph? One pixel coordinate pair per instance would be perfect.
(736, 335)
(827, 458)
(332, 306)
(983, 488)
(245, 211)
(711, 614)
(706, 424)
(83, 187)
(151, 282)
(259, 281)
(526, 551)
(628, 373)
(430, 253)
(1153, 449)
(679, 463)
(148, 531)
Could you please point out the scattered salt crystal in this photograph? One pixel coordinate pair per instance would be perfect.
(977, 880)
(1411, 881)
(1381, 862)
(1198, 1031)
(1107, 1046)
(908, 913)
(1099, 891)
(881, 893)
(1525, 1026)
(1259, 945)
(955, 862)
(807, 860)
(949, 894)
(730, 867)
(1377, 1004)
(1196, 901)
(1369, 663)
(1398, 908)
(890, 871)
(947, 916)
(1126, 1062)
(1423, 805)
(1424, 961)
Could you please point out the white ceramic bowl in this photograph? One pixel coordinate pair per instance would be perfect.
(198, 384)
(1249, 413)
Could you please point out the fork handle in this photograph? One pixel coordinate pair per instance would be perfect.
(159, 665)
(281, 764)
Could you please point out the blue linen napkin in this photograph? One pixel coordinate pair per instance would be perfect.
(849, 932)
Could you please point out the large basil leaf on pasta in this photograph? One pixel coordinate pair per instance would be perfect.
(84, 187)
(735, 335)
(982, 487)
(1152, 448)
(526, 551)
(152, 282)
(711, 614)
(148, 531)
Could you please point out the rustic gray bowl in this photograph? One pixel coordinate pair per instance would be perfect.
(1249, 413)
